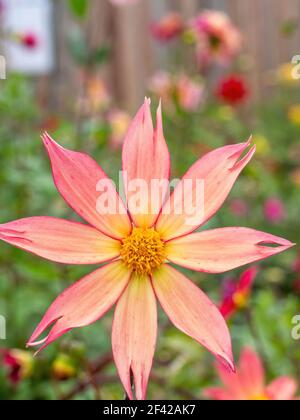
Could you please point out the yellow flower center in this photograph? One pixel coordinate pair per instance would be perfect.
(143, 250)
(240, 299)
(260, 397)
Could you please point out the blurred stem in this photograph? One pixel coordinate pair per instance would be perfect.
(94, 369)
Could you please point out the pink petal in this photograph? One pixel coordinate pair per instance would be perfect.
(192, 312)
(219, 394)
(83, 303)
(146, 159)
(251, 373)
(134, 335)
(87, 190)
(220, 250)
(232, 382)
(283, 388)
(60, 240)
(190, 207)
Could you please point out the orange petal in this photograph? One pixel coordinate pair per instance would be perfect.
(220, 250)
(192, 312)
(146, 163)
(134, 335)
(83, 303)
(87, 190)
(282, 389)
(60, 240)
(190, 206)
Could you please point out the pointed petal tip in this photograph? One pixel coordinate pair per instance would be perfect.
(227, 361)
(240, 164)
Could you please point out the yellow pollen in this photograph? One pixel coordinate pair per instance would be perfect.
(143, 250)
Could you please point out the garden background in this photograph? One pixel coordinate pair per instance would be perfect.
(103, 58)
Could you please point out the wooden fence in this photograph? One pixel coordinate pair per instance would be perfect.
(135, 55)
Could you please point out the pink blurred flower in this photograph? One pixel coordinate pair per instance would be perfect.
(217, 39)
(119, 122)
(180, 89)
(161, 85)
(189, 93)
(296, 265)
(274, 210)
(236, 294)
(170, 27)
(239, 207)
(233, 89)
(248, 383)
(29, 40)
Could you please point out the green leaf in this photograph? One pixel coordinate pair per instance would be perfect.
(79, 8)
(100, 55)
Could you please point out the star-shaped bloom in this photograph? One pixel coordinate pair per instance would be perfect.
(138, 243)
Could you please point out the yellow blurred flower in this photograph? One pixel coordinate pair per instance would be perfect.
(63, 367)
(294, 114)
(119, 122)
(285, 73)
(97, 94)
(262, 144)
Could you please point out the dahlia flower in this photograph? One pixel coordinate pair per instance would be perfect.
(274, 210)
(169, 28)
(138, 241)
(249, 382)
(232, 90)
(236, 295)
(217, 39)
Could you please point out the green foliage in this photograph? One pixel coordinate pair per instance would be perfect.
(79, 8)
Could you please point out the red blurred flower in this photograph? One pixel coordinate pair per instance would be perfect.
(18, 363)
(297, 285)
(274, 210)
(236, 294)
(296, 265)
(51, 123)
(168, 28)
(29, 40)
(233, 90)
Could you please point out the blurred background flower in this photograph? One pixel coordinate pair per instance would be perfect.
(217, 38)
(169, 28)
